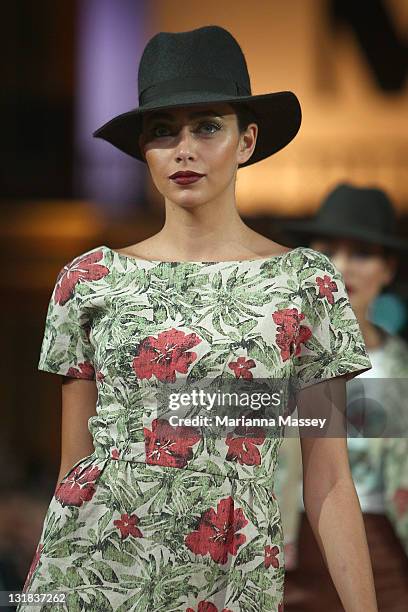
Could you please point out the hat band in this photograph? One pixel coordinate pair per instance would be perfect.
(204, 84)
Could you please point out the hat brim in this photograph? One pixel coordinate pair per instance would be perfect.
(302, 230)
(277, 114)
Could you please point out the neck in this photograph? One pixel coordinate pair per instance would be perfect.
(211, 230)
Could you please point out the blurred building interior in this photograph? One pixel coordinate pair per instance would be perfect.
(68, 67)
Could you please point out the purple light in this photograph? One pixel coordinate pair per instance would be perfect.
(111, 36)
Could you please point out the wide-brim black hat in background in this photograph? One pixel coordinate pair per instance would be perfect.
(196, 67)
(363, 213)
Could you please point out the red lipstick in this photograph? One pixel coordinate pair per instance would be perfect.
(186, 177)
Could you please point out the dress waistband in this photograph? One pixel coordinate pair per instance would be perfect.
(213, 466)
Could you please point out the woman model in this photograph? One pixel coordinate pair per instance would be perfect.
(148, 515)
(356, 228)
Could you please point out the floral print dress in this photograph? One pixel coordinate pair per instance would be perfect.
(158, 518)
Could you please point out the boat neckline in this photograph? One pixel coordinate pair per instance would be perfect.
(229, 261)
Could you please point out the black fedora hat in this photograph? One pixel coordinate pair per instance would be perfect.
(201, 66)
(363, 213)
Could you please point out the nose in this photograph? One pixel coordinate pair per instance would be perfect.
(185, 149)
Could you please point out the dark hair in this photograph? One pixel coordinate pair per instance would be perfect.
(245, 116)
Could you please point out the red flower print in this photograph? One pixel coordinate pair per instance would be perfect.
(78, 487)
(401, 501)
(79, 269)
(289, 331)
(207, 606)
(164, 355)
(127, 526)
(34, 563)
(242, 448)
(115, 453)
(84, 370)
(326, 287)
(169, 446)
(280, 607)
(270, 556)
(99, 376)
(241, 367)
(303, 336)
(217, 532)
(288, 319)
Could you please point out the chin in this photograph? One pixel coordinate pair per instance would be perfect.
(188, 198)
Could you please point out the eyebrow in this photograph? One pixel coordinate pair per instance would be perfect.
(191, 115)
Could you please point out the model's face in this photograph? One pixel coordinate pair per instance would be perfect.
(203, 139)
(364, 268)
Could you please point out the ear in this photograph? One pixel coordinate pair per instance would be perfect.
(247, 142)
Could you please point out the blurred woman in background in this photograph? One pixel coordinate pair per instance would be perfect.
(355, 228)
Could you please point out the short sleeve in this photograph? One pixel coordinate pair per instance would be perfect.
(66, 347)
(329, 339)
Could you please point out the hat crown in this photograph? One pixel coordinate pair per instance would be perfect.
(204, 66)
(368, 208)
(209, 52)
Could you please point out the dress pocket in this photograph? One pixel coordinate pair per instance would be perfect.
(72, 468)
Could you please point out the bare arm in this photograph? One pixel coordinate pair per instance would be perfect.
(332, 505)
(79, 398)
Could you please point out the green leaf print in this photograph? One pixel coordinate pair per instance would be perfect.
(104, 521)
(105, 570)
(216, 282)
(155, 537)
(259, 350)
(253, 549)
(245, 327)
(159, 585)
(114, 552)
(57, 575)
